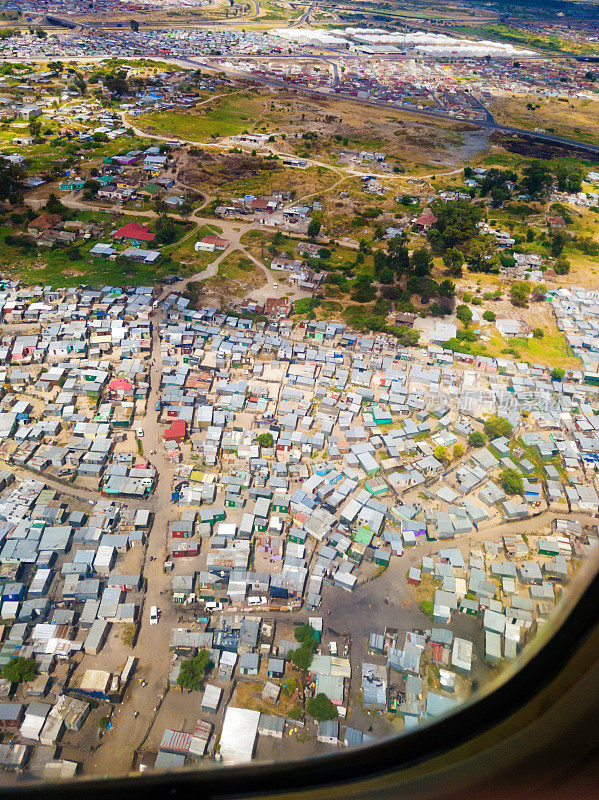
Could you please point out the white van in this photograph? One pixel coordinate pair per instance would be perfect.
(253, 601)
(154, 615)
(214, 606)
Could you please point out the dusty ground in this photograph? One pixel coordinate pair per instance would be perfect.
(575, 118)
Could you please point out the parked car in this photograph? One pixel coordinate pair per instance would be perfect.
(154, 615)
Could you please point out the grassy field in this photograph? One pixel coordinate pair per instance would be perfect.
(62, 266)
(552, 350)
(416, 146)
(274, 11)
(575, 118)
(236, 275)
(224, 116)
(189, 260)
(342, 258)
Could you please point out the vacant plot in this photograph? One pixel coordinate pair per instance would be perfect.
(237, 275)
(552, 350)
(223, 116)
(248, 694)
(574, 118)
(238, 174)
(318, 127)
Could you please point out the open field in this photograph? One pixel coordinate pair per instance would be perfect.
(73, 265)
(224, 116)
(412, 144)
(236, 276)
(575, 118)
(552, 350)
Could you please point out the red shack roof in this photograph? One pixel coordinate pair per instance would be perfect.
(132, 230)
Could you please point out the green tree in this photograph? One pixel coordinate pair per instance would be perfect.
(458, 450)
(519, 293)
(464, 314)
(79, 83)
(511, 481)
(456, 224)
(363, 291)
(569, 177)
(453, 259)
(306, 635)
(536, 179)
(558, 241)
(116, 82)
(447, 288)
(35, 128)
(498, 426)
(314, 227)
(441, 454)
(302, 657)
(490, 316)
(193, 671)
(399, 256)
(54, 206)
(166, 230)
(11, 182)
(19, 670)
(386, 275)
(421, 262)
(557, 374)
(561, 266)
(321, 708)
(265, 439)
(91, 188)
(476, 439)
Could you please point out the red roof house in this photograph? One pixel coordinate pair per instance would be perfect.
(176, 432)
(556, 222)
(120, 388)
(426, 220)
(217, 242)
(278, 307)
(132, 230)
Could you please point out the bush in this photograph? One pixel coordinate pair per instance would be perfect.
(497, 426)
(306, 635)
(290, 686)
(519, 293)
(193, 671)
(19, 670)
(464, 314)
(321, 708)
(490, 316)
(302, 657)
(511, 481)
